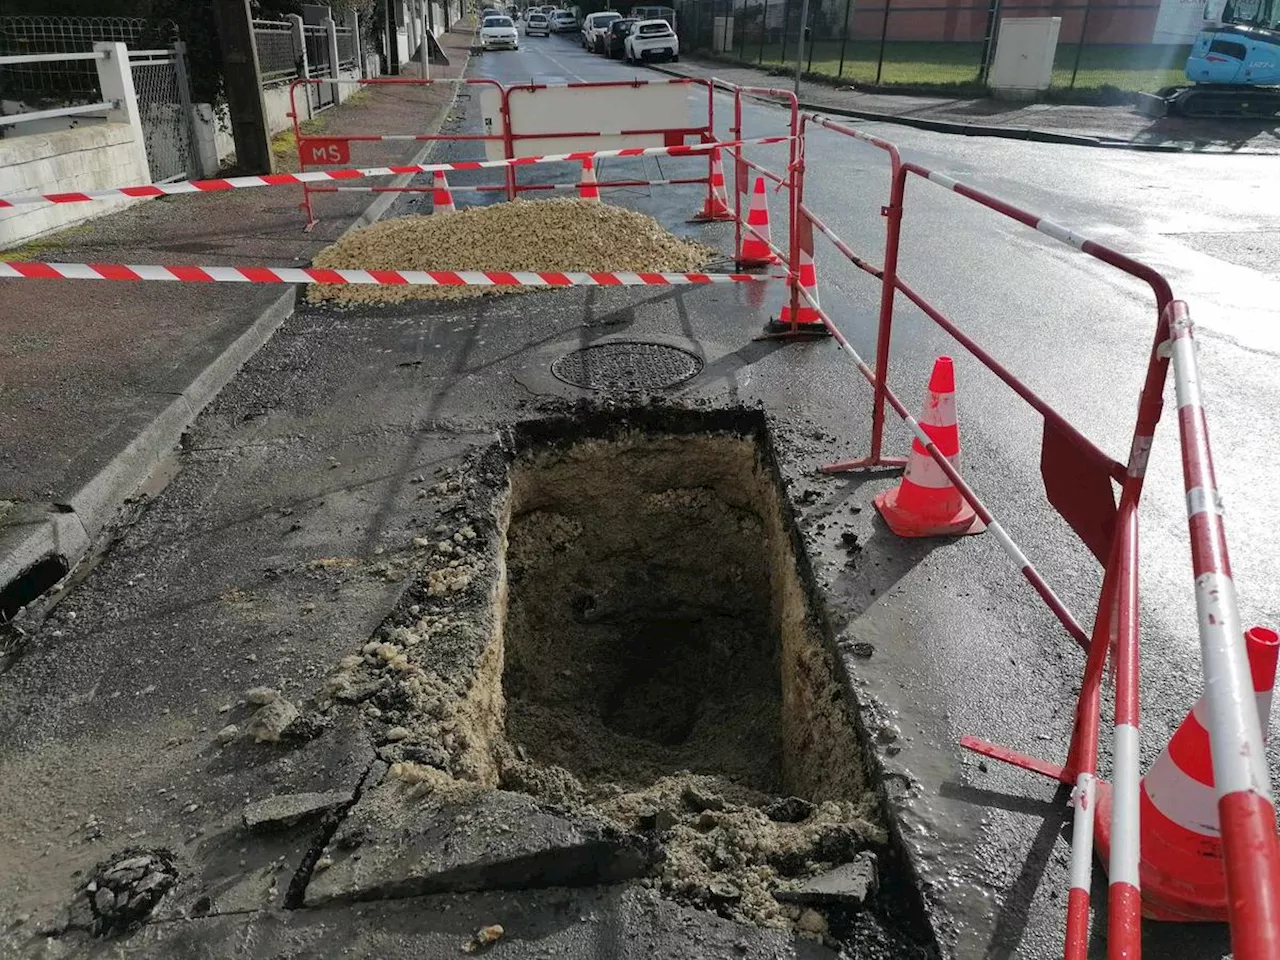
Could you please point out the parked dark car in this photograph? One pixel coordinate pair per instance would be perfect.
(615, 40)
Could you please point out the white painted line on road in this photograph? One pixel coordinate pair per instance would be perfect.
(562, 66)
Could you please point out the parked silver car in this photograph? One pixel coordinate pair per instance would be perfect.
(537, 25)
(564, 21)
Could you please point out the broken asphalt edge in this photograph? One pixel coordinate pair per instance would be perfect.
(980, 130)
(71, 534)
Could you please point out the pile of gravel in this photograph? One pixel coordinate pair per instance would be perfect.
(558, 235)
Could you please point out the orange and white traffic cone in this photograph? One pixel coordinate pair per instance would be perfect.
(441, 197)
(587, 189)
(716, 206)
(1181, 873)
(755, 250)
(926, 503)
(807, 322)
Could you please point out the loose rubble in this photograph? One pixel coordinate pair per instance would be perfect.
(127, 888)
(484, 937)
(286, 810)
(270, 720)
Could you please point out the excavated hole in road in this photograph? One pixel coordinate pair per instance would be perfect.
(619, 620)
(661, 667)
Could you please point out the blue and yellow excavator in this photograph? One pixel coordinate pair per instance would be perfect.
(1234, 64)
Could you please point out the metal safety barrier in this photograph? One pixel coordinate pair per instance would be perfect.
(673, 135)
(335, 149)
(1078, 479)
(744, 165)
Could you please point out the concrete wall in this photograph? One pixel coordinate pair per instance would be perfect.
(87, 158)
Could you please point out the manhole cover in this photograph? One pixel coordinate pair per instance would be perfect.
(627, 365)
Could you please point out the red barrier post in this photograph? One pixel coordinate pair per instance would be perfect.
(888, 275)
(739, 171)
(1246, 812)
(302, 163)
(892, 239)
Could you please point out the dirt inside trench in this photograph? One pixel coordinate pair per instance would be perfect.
(662, 669)
(648, 656)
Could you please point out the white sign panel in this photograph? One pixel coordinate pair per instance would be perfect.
(1178, 21)
(610, 111)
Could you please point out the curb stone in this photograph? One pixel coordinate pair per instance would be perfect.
(69, 533)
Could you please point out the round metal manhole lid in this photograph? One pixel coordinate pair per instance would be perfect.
(627, 366)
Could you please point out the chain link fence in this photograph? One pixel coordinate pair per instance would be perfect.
(156, 60)
(65, 83)
(934, 47)
(277, 57)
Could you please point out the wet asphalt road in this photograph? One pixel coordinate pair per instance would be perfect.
(981, 655)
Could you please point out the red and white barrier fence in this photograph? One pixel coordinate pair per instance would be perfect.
(1078, 482)
(335, 149)
(529, 120)
(418, 278)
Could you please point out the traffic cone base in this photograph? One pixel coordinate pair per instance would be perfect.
(908, 523)
(714, 209)
(926, 503)
(1181, 872)
(784, 328)
(716, 205)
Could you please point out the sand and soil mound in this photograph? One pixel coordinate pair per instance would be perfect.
(559, 235)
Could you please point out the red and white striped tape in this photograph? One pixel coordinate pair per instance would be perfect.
(418, 278)
(501, 188)
(317, 176)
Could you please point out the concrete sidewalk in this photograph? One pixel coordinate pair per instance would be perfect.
(100, 380)
(1116, 127)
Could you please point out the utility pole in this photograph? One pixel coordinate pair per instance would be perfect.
(242, 78)
(424, 29)
(804, 28)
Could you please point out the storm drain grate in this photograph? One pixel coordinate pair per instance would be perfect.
(624, 366)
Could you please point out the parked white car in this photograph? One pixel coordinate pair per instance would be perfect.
(652, 40)
(497, 33)
(563, 21)
(538, 25)
(595, 27)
